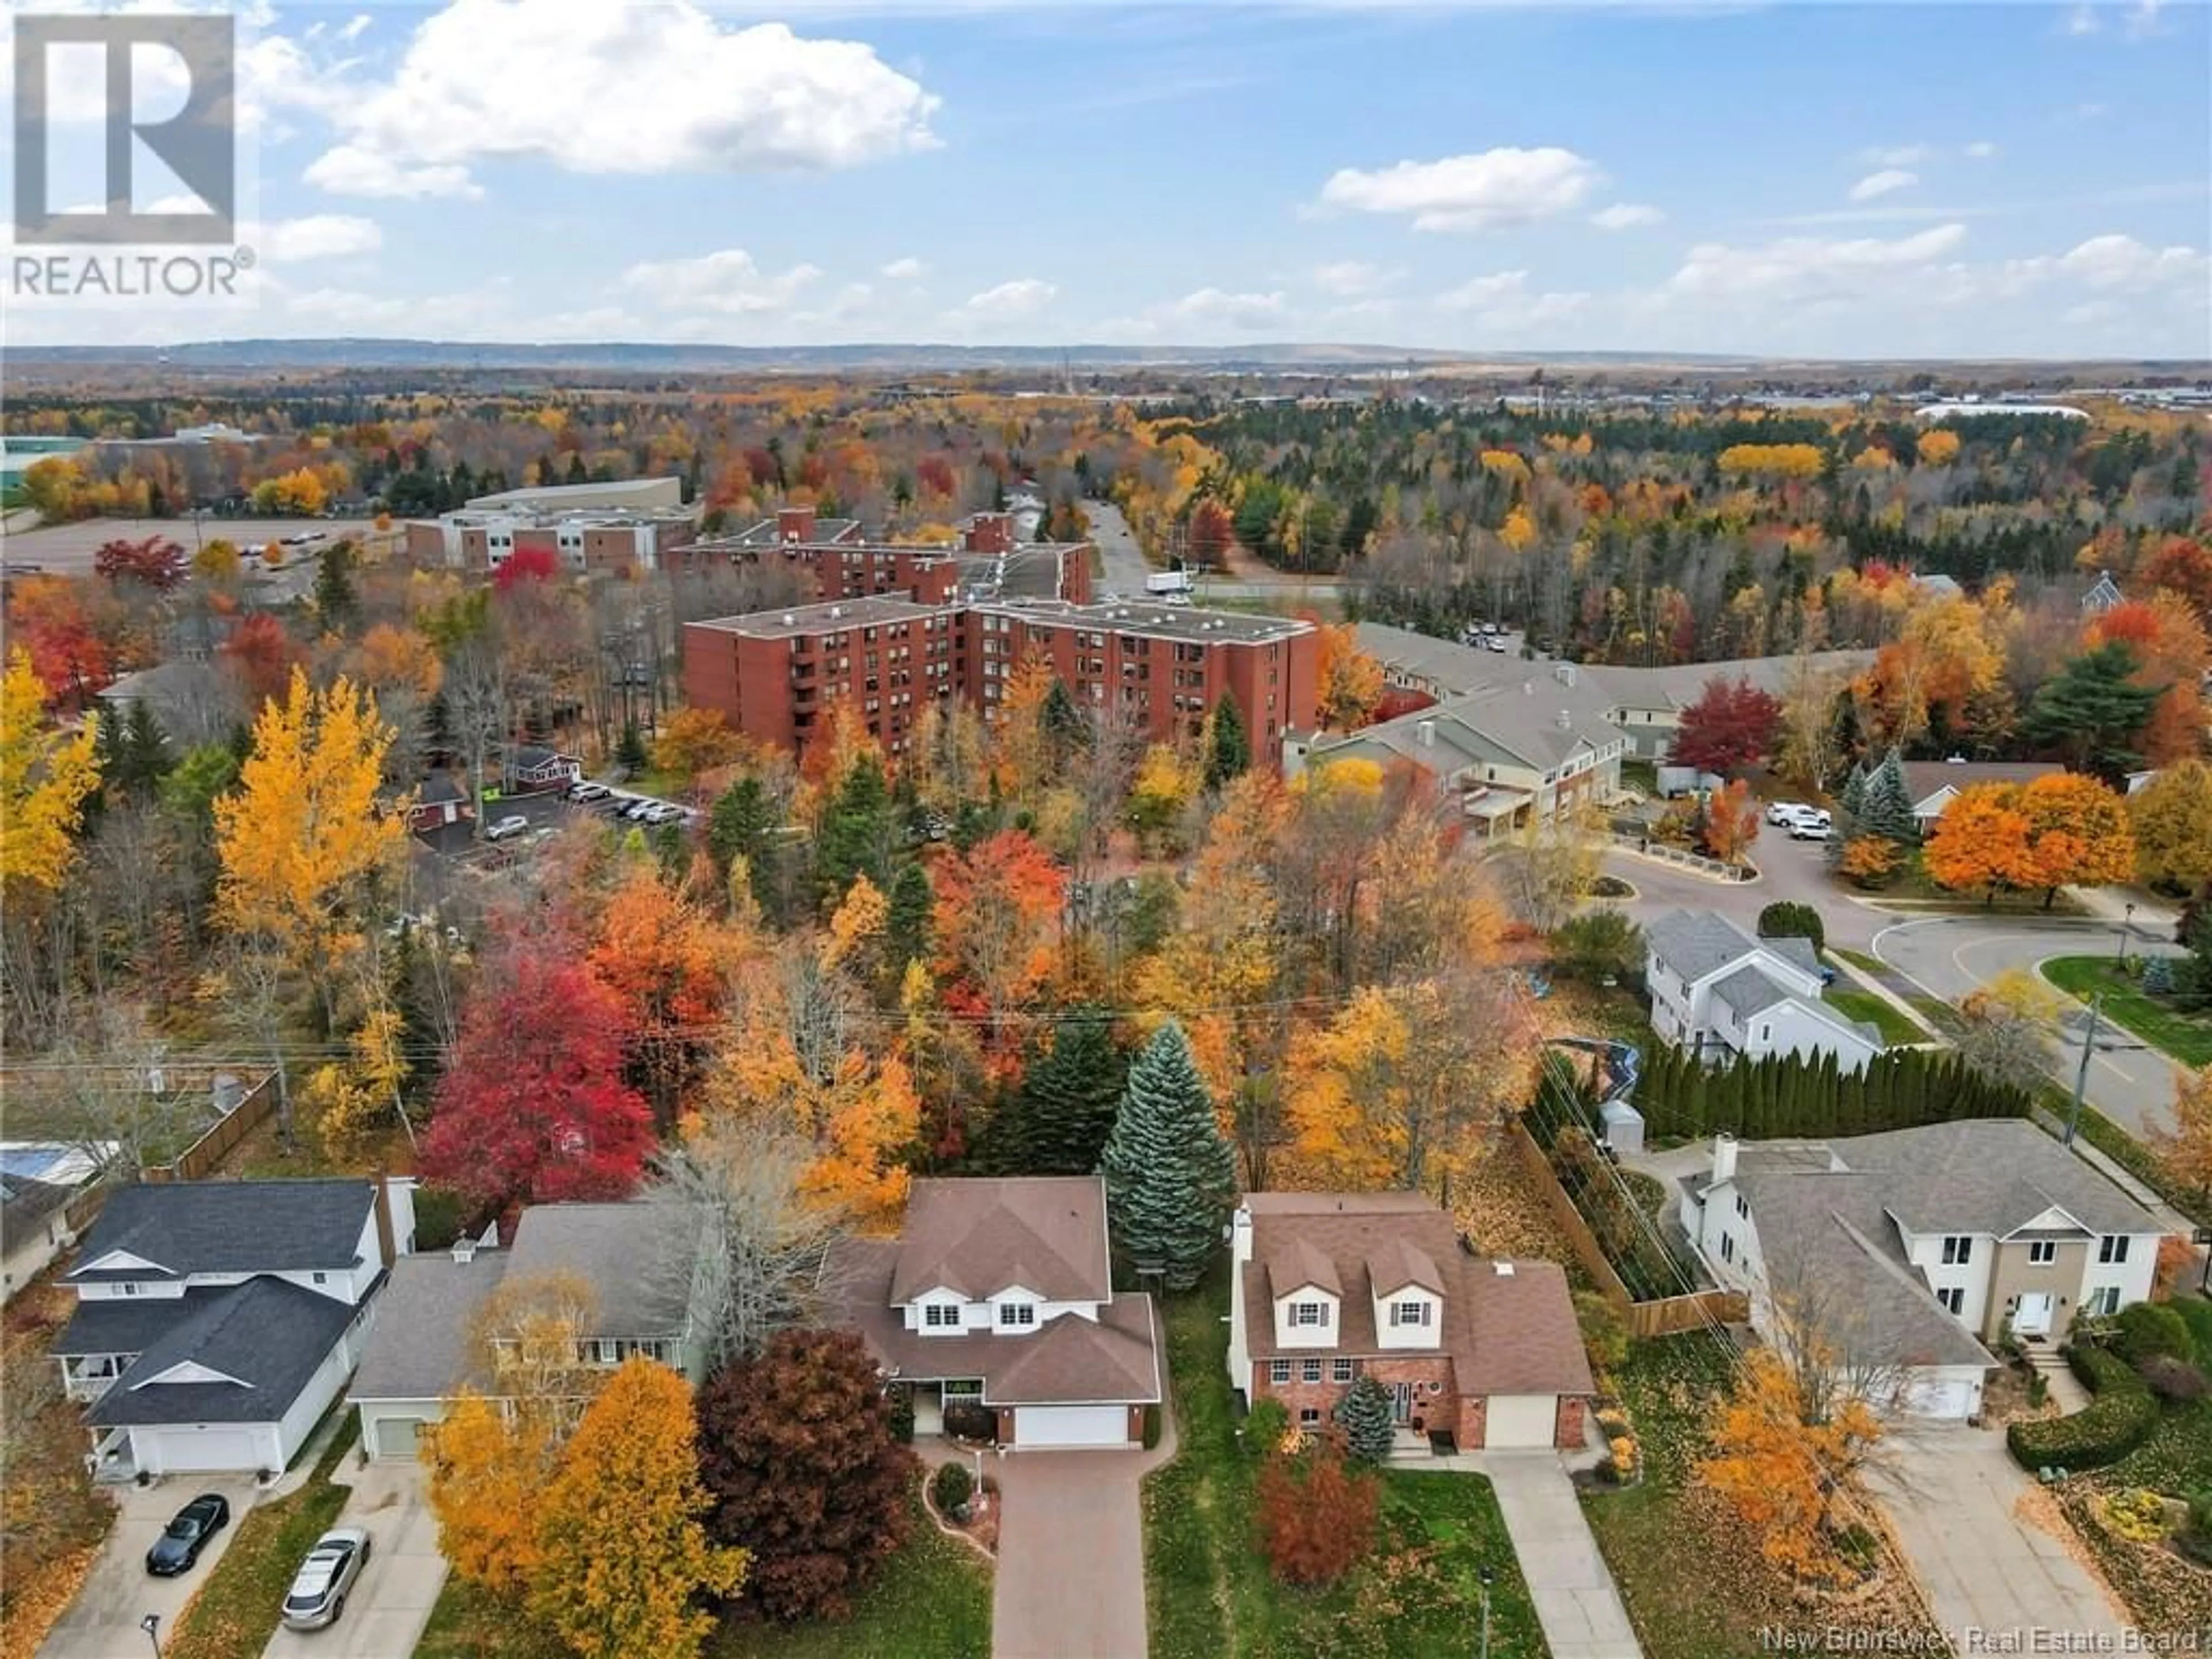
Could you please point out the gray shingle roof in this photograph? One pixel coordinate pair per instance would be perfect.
(1693, 944)
(636, 1255)
(1797, 952)
(120, 1324)
(420, 1347)
(1748, 990)
(189, 1227)
(271, 1336)
(1989, 1175)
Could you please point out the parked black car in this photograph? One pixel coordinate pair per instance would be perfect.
(186, 1535)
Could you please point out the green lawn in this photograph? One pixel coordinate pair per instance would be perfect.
(2184, 1037)
(1210, 1593)
(931, 1601)
(1860, 959)
(1896, 1029)
(235, 1613)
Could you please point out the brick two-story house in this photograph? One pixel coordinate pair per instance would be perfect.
(1331, 1286)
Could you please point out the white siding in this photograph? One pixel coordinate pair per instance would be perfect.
(1429, 1336)
(206, 1448)
(1786, 1029)
(1925, 1252)
(2133, 1277)
(1308, 1336)
(297, 1423)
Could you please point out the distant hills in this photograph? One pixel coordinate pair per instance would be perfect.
(888, 358)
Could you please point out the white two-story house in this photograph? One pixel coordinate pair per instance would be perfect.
(1724, 995)
(1329, 1287)
(1912, 1252)
(998, 1298)
(217, 1321)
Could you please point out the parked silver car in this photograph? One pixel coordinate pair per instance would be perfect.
(319, 1590)
(514, 824)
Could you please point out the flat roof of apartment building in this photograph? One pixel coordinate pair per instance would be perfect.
(824, 618)
(1172, 622)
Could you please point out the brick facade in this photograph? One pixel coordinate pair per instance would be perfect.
(1570, 1429)
(1443, 1410)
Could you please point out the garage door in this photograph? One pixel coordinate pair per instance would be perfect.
(1072, 1426)
(396, 1436)
(198, 1451)
(1945, 1398)
(1520, 1420)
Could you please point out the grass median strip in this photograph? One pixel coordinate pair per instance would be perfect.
(2180, 1037)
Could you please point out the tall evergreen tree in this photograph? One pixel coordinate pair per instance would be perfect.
(335, 599)
(1366, 1417)
(1170, 1176)
(2092, 712)
(1062, 725)
(1229, 750)
(1853, 800)
(906, 928)
(1885, 809)
(857, 833)
(1060, 1119)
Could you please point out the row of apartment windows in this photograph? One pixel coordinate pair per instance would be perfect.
(2112, 1249)
(1339, 1371)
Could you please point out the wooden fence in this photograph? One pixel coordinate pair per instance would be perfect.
(1665, 1316)
(204, 1156)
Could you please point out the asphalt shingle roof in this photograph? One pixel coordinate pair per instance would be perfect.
(271, 1336)
(1989, 1175)
(188, 1227)
(420, 1347)
(1693, 944)
(636, 1255)
(1748, 990)
(978, 1236)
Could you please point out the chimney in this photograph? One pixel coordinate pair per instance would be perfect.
(464, 1250)
(1566, 721)
(1723, 1158)
(794, 524)
(1427, 730)
(1565, 673)
(1240, 1236)
(387, 1248)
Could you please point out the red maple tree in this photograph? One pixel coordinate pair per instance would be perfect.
(525, 564)
(1733, 724)
(533, 1106)
(156, 562)
(261, 653)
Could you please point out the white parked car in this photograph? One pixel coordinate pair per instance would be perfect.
(514, 824)
(318, 1595)
(1786, 811)
(1810, 829)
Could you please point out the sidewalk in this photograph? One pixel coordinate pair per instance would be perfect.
(1568, 1580)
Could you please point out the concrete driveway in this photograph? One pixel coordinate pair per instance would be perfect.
(1071, 1577)
(390, 1602)
(1576, 1602)
(103, 1623)
(1951, 956)
(1987, 1571)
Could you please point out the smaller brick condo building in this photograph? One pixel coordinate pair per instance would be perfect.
(1327, 1287)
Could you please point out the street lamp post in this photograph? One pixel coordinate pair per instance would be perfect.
(1489, 1577)
(2081, 1076)
(2127, 926)
(151, 1623)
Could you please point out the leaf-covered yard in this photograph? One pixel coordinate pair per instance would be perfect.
(1695, 1585)
(1210, 1593)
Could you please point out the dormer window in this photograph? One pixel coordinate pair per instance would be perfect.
(1017, 1315)
(1315, 1314)
(1411, 1313)
(940, 1316)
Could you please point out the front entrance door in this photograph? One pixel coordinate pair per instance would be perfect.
(2032, 1317)
(1402, 1402)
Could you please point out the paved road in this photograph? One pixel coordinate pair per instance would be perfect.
(103, 1622)
(1989, 1574)
(390, 1602)
(1125, 568)
(1952, 955)
(1795, 871)
(1575, 1601)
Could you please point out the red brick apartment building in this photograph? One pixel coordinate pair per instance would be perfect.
(839, 564)
(774, 675)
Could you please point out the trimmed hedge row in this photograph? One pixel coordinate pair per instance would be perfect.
(2119, 1420)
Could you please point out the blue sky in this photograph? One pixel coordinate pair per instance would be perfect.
(1792, 178)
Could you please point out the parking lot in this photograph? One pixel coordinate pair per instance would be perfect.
(549, 812)
(67, 550)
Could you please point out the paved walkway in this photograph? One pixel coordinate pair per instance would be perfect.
(1070, 1582)
(103, 1622)
(1992, 1578)
(1576, 1602)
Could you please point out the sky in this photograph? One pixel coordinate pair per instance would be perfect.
(1785, 179)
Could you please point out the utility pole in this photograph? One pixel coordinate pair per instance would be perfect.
(2082, 1076)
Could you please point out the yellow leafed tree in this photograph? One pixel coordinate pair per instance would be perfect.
(1782, 1474)
(486, 1471)
(45, 777)
(302, 832)
(356, 1097)
(624, 1556)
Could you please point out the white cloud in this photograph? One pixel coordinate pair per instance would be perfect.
(1897, 155)
(729, 282)
(1350, 278)
(1801, 268)
(1889, 179)
(1981, 151)
(2118, 263)
(2082, 20)
(2144, 20)
(1503, 304)
(349, 170)
(317, 236)
(2084, 113)
(622, 89)
(1211, 307)
(1625, 215)
(1504, 186)
(1023, 296)
(906, 269)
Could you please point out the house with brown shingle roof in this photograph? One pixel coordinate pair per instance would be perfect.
(999, 1295)
(1328, 1287)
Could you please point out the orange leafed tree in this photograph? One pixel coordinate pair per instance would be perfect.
(1350, 680)
(2185, 1149)
(1316, 1516)
(669, 961)
(1783, 1475)
(997, 922)
(696, 740)
(2079, 834)
(2171, 653)
(486, 1471)
(1981, 843)
(1731, 823)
